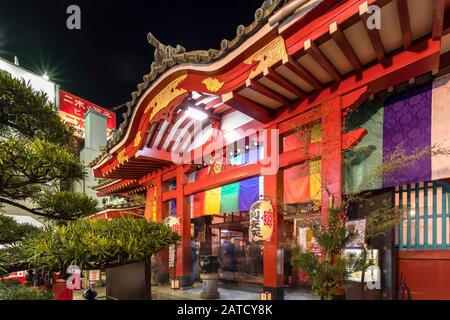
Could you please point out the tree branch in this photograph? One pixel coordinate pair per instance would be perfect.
(20, 206)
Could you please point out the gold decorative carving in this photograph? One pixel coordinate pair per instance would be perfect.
(213, 84)
(138, 139)
(166, 96)
(121, 156)
(216, 167)
(272, 53)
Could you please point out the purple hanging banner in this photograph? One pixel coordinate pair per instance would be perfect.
(248, 193)
(407, 125)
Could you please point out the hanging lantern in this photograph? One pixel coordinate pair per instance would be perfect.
(261, 220)
(173, 223)
(175, 284)
(265, 296)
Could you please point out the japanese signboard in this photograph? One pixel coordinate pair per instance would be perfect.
(72, 110)
(174, 223)
(94, 275)
(261, 220)
(358, 226)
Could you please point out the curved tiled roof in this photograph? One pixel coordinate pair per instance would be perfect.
(165, 57)
(102, 182)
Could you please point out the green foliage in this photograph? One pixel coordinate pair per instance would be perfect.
(382, 219)
(329, 270)
(10, 283)
(12, 260)
(97, 243)
(27, 164)
(35, 159)
(28, 114)
(12, 232)
(11, 292)
(65, 205)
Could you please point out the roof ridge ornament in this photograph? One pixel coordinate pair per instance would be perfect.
(166, 56)
(162, 51)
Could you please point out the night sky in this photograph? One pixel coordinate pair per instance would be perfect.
(105, 60)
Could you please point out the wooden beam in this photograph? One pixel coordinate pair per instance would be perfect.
(164, 136)
(174, 138)
(296, 68)
(213, 103)
(261, 89)
(350, 101)
(405, 23)
(354, 99)
(446, 28)
(199, 99)
(248, 107)
(154, 155)
(169, 195)
(155, 135)
(438, 18)
(341, 40)
(169, 175)
(221, 108)
(423, 57)
(283, 82)
(373, 34)
(168, 129)
(313, 50)
(194, 132)
(286, 160)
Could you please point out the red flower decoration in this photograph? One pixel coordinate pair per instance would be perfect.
(268, 219)
(316, 249)
(302, 276)
(176, 228)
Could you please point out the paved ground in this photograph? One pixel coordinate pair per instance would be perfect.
(165, 293)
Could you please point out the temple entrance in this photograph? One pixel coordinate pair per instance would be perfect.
(227, 236)
(297, 232)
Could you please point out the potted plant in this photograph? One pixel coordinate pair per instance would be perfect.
(326, 266)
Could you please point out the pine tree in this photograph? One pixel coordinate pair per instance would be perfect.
(35, 158)
(328, 267)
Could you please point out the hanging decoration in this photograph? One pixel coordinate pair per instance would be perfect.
(261, 220)
(174, 223)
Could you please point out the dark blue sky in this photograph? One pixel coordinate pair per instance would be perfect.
(106, 59)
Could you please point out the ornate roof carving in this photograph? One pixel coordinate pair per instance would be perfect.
(166, 56)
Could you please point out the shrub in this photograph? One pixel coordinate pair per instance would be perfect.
(8, 292)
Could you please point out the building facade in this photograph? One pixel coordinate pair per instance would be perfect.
(276, 113)
(92, 124)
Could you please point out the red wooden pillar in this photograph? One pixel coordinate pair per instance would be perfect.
(332, 160)
(183, 267)
(273, 251)
(161, 213)
(149, 203)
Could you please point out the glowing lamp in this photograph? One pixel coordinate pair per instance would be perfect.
(196, 114)
(175, 284)
(261, 220)
(265, 296)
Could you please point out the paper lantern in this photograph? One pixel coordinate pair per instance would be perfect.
(261, 220)
(175, 284)
(173, 223)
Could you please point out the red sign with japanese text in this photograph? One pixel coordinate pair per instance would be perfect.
(72, 110)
